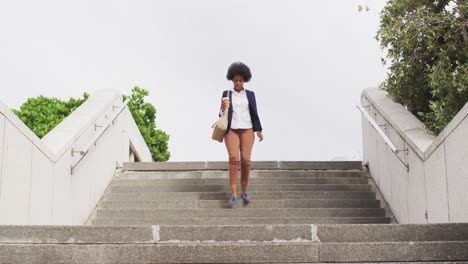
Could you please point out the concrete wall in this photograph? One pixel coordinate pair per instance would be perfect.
(37, 183)
(428, 183)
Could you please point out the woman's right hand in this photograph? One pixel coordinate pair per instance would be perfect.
(224, 104)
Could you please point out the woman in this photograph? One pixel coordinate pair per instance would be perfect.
(243, 122)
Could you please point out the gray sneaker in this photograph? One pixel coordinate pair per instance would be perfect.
(233, 201)
(245, 198)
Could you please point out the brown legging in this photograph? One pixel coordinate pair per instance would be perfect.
(239, 140)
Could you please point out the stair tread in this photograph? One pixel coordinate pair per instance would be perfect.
(249, 221)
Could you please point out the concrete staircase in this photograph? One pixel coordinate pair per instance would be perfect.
(282, 193)
(301, 212)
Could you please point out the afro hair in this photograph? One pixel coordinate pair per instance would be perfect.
(239, 68)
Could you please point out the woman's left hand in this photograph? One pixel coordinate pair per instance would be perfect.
(260, 136)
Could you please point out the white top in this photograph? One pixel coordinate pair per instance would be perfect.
(240, 111)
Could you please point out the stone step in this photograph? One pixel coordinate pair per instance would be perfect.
(158, 253)
(190, 204)
(251, 188)
(394, 233)
(143, 197)
(107, 214)
(234, 252)
(255, 165)
(248, 221)
(393, 251)
(225, 181)
(230, 233)
(151, 175)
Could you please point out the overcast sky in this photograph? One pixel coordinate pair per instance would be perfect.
(309, 59)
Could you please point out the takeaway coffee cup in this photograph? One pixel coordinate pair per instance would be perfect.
(226, 99)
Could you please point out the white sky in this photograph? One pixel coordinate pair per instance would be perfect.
(310, 61)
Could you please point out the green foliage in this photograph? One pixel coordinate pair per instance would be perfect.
(145, 114)
(42, 114)
(427, 44)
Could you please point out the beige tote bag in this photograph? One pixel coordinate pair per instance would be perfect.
(220, 126)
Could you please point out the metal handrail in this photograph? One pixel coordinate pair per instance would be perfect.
(96, 137)
(383, 135)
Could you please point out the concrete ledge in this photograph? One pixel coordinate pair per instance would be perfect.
(73, 128)
(161, 204)
(164, 166)
(252, 181)
(216, 165)
(255, 165)
(12, 118)
(74, 234)
(320, 165)
(399, 251)
(394, 233)
(232, 233)
(60, 178)
(224, 174)
(144, 197)
(234, 253)
(252, 188)
(249, 221)
(409, 127)
(425, 181)
(293, 233)
(107, 214)
(161, 253)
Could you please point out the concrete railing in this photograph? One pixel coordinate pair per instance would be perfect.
(37, 182)
(427, 180)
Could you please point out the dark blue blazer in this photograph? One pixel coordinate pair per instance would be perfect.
(257, 126)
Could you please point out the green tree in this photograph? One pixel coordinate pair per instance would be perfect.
(145, 115)
(41, 114)
(427, 45)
